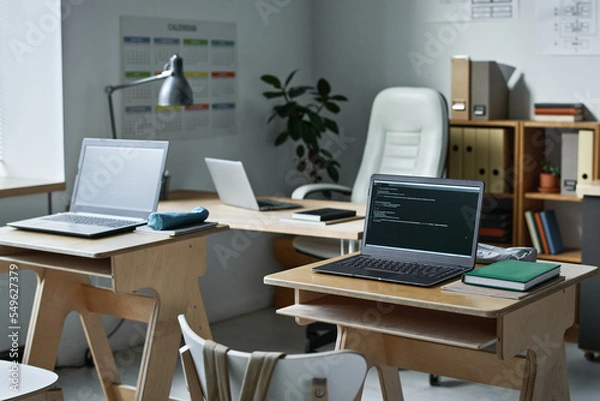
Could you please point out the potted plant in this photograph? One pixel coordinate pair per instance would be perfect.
(305, 123)
(549, 178)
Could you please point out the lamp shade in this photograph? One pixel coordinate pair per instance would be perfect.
(175, 90)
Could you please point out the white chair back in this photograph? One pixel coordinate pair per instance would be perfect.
(407, 135)
(292, 378)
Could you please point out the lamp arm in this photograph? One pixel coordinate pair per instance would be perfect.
(111, 88)
(163, 75)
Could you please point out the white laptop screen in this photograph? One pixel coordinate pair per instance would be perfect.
(423, 217)
(123, 176)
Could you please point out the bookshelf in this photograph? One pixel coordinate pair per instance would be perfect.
(530, 147)
(538, 141)
(499, 199)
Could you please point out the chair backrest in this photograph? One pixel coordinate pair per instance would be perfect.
(292, 378)
(407, 135)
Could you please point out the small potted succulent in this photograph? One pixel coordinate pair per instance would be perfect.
(549, 178)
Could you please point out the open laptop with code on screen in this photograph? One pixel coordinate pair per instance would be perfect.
(116, 188)
(418, 231)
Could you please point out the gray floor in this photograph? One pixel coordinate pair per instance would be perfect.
(267, 331)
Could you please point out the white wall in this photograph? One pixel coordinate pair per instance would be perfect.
(275, 41)
(31, 103)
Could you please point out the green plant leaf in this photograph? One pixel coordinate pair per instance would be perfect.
(300, 151)
(308, 133)
(271, 95)
(323, 87)
(339, 98)
(298, 91)
(331, 125)
(289, 78)
(281, 138)
(317, 121)
(332, 107)
(294, 127)
(333, 173)
(327, 153)
(271, 80)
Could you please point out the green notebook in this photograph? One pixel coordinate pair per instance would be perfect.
(512, 274)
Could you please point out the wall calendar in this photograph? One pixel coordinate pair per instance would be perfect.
(209, 53)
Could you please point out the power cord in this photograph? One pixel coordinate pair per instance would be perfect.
(88, 360)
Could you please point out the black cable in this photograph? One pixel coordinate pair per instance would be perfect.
(88, 359)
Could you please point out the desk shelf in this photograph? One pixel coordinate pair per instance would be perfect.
(404, 321)
(73, 264)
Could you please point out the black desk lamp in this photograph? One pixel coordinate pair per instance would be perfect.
(175, 91)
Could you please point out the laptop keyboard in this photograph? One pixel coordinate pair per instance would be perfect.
(402, 267)
(89, 220)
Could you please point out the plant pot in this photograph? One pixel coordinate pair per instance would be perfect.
(549, 183)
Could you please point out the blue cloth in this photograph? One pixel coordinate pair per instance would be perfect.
(171, 220)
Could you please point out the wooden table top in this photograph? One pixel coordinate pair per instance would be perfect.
(86, 247)
(18, 186)
(434, 298)
(267, 221)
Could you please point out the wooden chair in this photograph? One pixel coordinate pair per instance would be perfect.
(326, 376)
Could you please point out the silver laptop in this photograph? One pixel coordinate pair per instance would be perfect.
(234, 188)
(116, 188)
(418, 231)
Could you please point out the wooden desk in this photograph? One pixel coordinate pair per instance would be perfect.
(244, 219)
(17, 186)
(168, 266)
(471, 337)
(23, 382)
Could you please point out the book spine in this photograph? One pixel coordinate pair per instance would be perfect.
(567, 111)
(540, 228)
(557, 118)
(557, 105)
(533, 233)
(552, 231)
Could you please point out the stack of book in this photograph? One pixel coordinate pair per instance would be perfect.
(496, 222)
(566, 112)
(496, 228)
(544, 231)
(515, 275)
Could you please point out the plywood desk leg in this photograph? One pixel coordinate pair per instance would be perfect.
(541, 328)
(372, 346)
(104, 360)
(546, 366)
(172, 272)
(57, 294)
(196, 314)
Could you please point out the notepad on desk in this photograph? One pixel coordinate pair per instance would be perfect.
(192, 228)
(324, 214)
(516, 275)
(322, 217)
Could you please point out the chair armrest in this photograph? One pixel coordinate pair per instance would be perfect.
(305, 190)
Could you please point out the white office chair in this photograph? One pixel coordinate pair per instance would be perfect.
(292, 377)
(407, 135)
